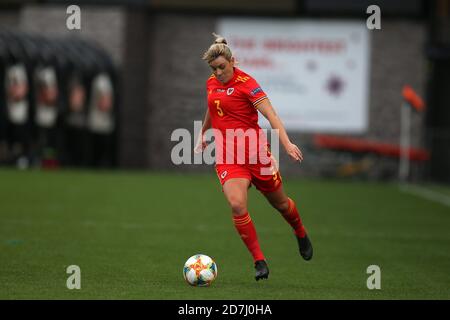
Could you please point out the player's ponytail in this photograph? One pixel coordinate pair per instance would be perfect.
(219, 39)
(217, 49)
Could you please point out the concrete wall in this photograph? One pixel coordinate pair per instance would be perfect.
(9, 19)
(177, 80)
(102, 25)
(397, 59)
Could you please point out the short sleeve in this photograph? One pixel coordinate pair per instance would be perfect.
(254, 92)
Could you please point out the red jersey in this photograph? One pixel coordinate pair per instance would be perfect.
(233, 106)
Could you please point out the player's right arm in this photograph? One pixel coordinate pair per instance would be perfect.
(201, 144)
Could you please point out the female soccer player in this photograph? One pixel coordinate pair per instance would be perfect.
(234, 99)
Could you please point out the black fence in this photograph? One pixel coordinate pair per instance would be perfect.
(58, 102)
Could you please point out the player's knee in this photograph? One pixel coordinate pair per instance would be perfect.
(238, 206)
(281, 206)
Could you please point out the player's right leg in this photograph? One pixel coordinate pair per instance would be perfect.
(235, 190)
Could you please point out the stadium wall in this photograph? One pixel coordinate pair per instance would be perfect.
(9, 18)
(162, 77)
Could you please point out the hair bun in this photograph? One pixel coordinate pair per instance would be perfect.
(219, 39)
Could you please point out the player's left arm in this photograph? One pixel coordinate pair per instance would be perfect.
(267, 110)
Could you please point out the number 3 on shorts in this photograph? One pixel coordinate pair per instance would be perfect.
(219, 109)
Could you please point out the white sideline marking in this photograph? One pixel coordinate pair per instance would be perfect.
(426, 193)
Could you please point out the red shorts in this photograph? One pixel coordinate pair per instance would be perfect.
(268, 182)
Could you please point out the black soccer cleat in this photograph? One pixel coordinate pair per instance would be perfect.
(262, 270)
(305, 247)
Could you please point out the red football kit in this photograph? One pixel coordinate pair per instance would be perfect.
(242, 150)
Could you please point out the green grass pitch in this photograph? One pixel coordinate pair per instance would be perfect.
(130, 233)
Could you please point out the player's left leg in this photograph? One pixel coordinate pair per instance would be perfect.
(288, 209)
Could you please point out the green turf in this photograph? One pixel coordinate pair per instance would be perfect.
(131, 233)
(440, 189)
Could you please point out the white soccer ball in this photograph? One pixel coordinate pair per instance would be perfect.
(200, 270)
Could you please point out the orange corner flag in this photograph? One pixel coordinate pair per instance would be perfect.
(413, 98)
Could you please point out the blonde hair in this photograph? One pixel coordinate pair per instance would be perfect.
(217, 49)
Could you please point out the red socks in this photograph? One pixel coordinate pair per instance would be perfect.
(246, 230)
(293, 218)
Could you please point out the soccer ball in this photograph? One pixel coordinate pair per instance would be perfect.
(200, 270)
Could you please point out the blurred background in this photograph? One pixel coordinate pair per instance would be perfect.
(111, 93)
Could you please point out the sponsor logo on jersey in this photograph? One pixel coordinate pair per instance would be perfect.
(220, 90)
(255, 91)
(230, 91)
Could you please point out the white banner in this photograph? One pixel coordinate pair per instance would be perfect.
(314, 72)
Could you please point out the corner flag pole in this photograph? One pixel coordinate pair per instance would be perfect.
(410, 100)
